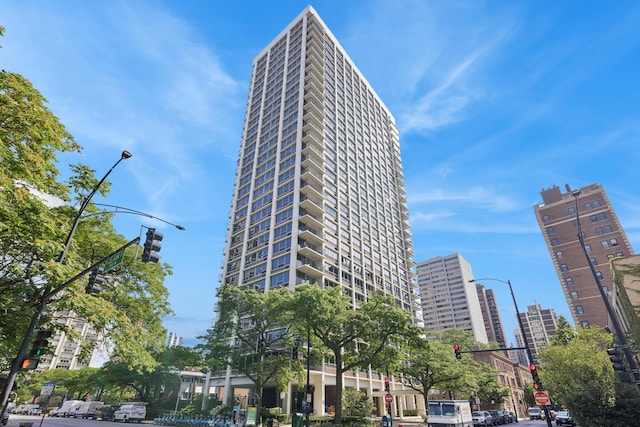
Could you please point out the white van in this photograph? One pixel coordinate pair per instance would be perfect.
(67, 406)
(87, 410)
(131, 413)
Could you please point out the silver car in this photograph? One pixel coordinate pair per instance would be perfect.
(482, 418)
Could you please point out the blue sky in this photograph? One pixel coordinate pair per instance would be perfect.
(494, 100)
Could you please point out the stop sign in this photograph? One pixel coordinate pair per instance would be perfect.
(388, 398)
(542, 398)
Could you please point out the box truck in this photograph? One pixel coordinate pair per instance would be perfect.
(449, 413)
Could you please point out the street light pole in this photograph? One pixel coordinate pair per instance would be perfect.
(524, 337)
(17, 362)
(614, 319)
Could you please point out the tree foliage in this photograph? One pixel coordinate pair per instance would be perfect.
(253, 335)
(368, 336)
(577, 373)
(431, 363)
(35, 219)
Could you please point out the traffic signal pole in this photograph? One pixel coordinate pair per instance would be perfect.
(612, 316)
(534, 376)
(17, 363)
(42, 302)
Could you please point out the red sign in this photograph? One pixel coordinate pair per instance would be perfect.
(388, 398)
(542, 398)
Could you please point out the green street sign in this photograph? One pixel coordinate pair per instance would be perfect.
(113, 260)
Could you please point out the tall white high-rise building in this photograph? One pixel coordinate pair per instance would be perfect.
(540, 324)
(449, 298)
(319, 194)
(173, 339)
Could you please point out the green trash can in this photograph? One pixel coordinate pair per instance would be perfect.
(297, 419)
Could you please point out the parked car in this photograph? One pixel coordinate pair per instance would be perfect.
(564, 418)
(512, 417)
(535, 413)
(482, 418)
(506, 419)
(105, 413)
(34, 411)
(496, 418)
(5, 418)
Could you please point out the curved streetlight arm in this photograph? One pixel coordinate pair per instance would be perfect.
(121, 209)
(85, 203)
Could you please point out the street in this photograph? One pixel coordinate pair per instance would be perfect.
(16, 420)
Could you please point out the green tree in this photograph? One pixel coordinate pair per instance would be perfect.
(431, 363)
(253, 335)
(129, 312)
(367, 336)
(356, 404)
(578, 374)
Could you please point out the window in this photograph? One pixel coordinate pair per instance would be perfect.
(585, 324)
(574, 295)
(559, 255)
(607, 229)
(599, 231)
(564, 267)
(602, 216)
(545, 218)
(614, 242)
(587, 248)
(593, 261)
(568, 281)
(588, 206)
(580, 309)
(599, 275)
(605, 244)
(572, 211)
(596, 204)
(550, 230)
(554, 242)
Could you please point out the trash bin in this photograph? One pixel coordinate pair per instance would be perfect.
(386, 421)
(297, 419)
(269, 422)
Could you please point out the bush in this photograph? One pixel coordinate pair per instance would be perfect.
(410, 412)
(275, 413)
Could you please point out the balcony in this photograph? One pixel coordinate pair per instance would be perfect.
(311, 176)
(309, 234)
(310, 219)
(311, 204)
(308, 249)
(309, 268)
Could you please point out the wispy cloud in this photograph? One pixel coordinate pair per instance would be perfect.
(472, 197)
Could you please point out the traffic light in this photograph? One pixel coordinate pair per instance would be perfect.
(456, 349)
(29, 364)
(152, 246)
(534, 376)
(386, 384)
(39, 348)
(95, 281)
(41, 343)
(616, 359)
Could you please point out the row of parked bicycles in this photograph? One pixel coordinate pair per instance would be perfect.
(195, 421)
